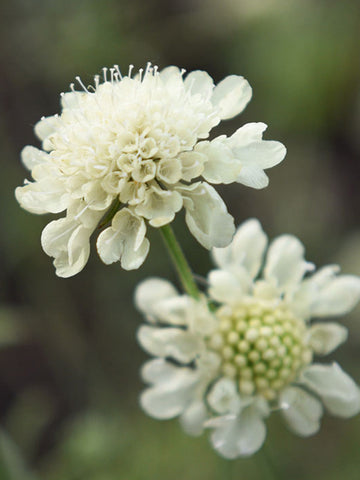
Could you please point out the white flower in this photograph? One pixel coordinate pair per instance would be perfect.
(229, 366)
(133, 150)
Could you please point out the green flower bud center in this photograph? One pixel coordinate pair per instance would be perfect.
(263, 348)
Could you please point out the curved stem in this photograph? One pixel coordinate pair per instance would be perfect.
(180, 262)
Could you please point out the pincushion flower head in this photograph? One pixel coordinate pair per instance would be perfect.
(133, 150)
(228, 367)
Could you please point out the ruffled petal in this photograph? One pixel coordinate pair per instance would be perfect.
(228, 287)
(192, 165)
(124, 240)
(151, 291)
(220, 165)
(224, 398)
(169, 342)
(199, 82)
(231, 96)
(238, 436)
(337, 390)
(159, 206)
(253, 176)
(249, 147)
(169, 170)
(47, 126)
(323, 338)
(32, 156)
(247, 249)
(285, 262)
(69, 243)
(173, 389)
(301, 411)
(337, 297)
(45, 196)
(207, 216)
(193, 418)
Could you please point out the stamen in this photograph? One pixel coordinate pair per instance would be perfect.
(130, 70)
(118, 71)
(81, 84)
(105, 73)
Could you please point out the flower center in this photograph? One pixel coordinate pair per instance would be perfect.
(262, 347)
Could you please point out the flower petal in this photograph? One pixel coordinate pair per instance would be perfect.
(224, 397)
(207, 216)
(151, 291)
(220, 166)
(47, 126)
(45, 196)
(69, 243)
(337, 297)
(231, 96)
(32, 156)
(253, 176)
(173, 391)
(192, 165)
(285, 262)
(246, 249)
(301, 411)
(337, 390)
(228, 287)
(249, 147)
(199, 82)
(326, 337)
(193, 418)
(124, 240)
(178, 344)
(159, 206)
(238, 436)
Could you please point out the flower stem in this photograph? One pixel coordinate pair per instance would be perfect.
(180, 262)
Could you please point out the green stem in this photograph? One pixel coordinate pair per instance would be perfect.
(180, 262)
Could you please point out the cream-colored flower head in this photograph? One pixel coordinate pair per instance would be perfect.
(132, 150)
(227, 368)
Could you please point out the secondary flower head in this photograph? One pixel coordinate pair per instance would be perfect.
(227, 368)
(133, 150)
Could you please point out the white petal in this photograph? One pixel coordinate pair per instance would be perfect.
(32, 156)
(193, 418)
(192, 165)
(69, 243)
(96, 196)
(151, 291)
(238, 436)
(337, 297)
(249, 147)
(326, 337)
(169, 170)
(246, 249)
(301, 411)
(253, 176)
(159, 206)
(337, 390)
(46, 196)
(231, 96)
(220, 166)
(47, 126)
(199, 82)
(178, 344)
(285, 262)
(206, 215)
(224, 397)
(124, 240)
(228, 287)
(173, 391)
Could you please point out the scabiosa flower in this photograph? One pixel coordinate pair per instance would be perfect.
(133, 150)
(228, 367)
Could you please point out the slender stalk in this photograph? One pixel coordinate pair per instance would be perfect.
(180, 262)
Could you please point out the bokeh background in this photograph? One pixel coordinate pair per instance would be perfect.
(69, 362)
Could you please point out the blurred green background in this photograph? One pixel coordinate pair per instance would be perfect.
(69, 362)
